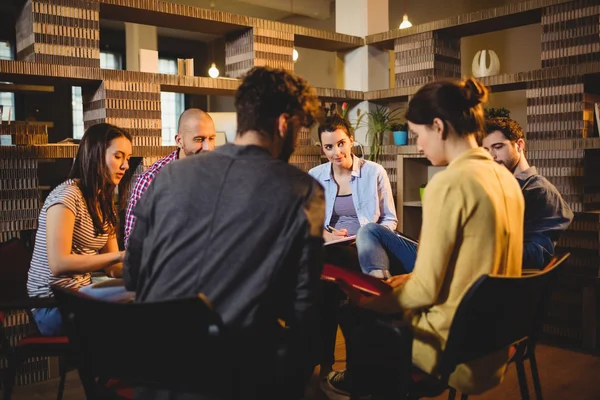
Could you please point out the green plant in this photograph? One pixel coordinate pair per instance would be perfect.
(378, 122)
(497, 113)
(399, 126)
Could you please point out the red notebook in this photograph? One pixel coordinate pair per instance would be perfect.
(366, 283)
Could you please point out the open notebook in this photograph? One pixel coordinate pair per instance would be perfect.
(345, 239)
(367, 283)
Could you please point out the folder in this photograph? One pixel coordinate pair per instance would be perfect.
(366, 283)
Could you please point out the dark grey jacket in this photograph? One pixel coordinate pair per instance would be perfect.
(237, 225)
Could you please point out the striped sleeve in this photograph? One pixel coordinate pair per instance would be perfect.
(67, 195)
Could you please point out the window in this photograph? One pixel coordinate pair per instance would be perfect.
(108, 60)
(77, 112)
(7, 100)
(171, 104)
(111, 60)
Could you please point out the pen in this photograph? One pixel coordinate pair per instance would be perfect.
(330, 229)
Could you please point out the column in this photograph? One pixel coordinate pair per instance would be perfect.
(59, 32)
(258, 47)
(365, 68)
(424, 57)
(127, 100)
(571, 33)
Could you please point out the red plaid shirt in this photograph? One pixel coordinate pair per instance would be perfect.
(141, 184)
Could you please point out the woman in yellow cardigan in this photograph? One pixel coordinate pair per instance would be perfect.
(472, 225)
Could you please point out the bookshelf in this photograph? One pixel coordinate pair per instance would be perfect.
(413, 171)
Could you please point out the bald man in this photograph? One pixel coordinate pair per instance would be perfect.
(195, 134)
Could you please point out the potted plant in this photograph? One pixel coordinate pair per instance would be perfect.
(379, 121)
(400, 131)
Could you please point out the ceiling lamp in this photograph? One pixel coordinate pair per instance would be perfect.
(294, 52)
(213, 72)
(405, 22)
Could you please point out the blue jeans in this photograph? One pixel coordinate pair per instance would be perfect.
(384, 253)
(49, 320)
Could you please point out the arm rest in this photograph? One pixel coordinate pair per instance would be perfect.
(27, 303)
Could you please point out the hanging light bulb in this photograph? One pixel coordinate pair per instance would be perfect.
(405, 22)
(295, 55)
(213, 72)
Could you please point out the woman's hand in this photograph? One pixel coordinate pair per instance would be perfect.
(114, 271)
(335, 235)
(398, 280)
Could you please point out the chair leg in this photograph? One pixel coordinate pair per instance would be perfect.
(62, 368)
(451, 394)
(464, 396)
(536, 378)
(9, 379)
(522, 379)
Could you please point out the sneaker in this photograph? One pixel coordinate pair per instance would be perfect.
(337, 387)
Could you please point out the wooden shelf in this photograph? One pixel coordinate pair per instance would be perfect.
(196, 19)
(498, 83)
(475, 23)
(61, 150)
(328, 94)
(18, 88)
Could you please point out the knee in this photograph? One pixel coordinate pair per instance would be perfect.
(368, 231)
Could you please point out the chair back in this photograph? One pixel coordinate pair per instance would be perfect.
(15, 257)
(172, 345)
(495, 313)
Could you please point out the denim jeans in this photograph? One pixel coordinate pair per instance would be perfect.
(384, 253)
(49, 320)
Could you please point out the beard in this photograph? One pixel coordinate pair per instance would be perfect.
(189, 152)
(289, 144)
(510, 164)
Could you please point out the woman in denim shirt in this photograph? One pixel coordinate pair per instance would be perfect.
(357, 192)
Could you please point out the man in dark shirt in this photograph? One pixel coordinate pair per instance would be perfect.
(547, 215)
(240, 224)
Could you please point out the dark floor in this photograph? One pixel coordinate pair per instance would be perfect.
(564, 374)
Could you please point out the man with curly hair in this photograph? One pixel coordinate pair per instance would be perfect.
(243, 227)
(547, 214)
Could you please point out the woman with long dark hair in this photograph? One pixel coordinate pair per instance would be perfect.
(79, 220)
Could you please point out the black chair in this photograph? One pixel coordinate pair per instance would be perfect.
(16, 256)
(496, 313)
(177, 345)
(526, 350)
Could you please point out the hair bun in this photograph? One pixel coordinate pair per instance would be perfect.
(474, 92)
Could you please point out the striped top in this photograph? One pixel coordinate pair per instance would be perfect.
(85, 242)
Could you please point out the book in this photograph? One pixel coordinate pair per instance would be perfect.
(345, 240)
(366, 283)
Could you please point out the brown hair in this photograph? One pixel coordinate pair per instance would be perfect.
(266, 93)
(508, 126)
(93, 177)
(457, 103)
(335, 122)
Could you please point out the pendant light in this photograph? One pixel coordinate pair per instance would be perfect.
(405, 22)
(213, 71)
(294, 52)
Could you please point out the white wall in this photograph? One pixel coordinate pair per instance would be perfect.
(225, 122)
(519, 50)
(317, 67)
